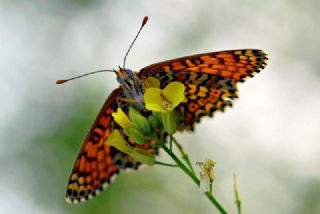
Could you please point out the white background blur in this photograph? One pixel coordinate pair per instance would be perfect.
(270, 139)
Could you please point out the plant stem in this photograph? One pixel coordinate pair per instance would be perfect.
(192, 176)
(239, 207)
(184, 156)
(166, 164)
(237, 194)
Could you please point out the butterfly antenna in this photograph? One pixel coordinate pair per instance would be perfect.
(144, 21)
(77, 77)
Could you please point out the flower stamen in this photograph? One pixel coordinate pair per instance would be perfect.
(166, 102)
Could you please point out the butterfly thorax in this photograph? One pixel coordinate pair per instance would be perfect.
(132, 87)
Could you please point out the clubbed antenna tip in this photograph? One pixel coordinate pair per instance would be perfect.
(144, 21)
(61, 81)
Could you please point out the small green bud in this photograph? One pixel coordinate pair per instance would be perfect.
(142, 156)
(171, 122)
(164, 121)
(139, 137)
(157, 115)
(153, 121)
(139, 120)
(236, 189)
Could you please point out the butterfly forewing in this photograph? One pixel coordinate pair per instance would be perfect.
(202, 100)
(233, 64)
(210, 80)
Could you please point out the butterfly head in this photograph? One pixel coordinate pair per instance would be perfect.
(132, 86)
(125, 77)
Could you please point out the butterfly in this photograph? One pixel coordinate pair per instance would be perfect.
(210, 81)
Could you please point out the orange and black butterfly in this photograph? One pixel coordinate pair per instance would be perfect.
(210, 81)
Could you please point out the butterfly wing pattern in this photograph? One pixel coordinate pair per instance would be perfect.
(210, 79)
(97, 163)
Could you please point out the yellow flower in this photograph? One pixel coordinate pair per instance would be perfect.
(122, 119)
(164, 100)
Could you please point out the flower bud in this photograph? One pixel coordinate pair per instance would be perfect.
(139, 137)
(157, 115)
(171, 122)
(142, 156)
(164, 121)
(139, 120)
(153, 121)
(236, 190)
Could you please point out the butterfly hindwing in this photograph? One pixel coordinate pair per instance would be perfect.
(97, 164)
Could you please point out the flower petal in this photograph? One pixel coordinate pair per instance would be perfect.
(153, 100)
(174, 92)
(151, 82)
(155, 107)
(121, 118)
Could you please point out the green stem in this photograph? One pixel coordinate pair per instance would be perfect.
(192, 176)
(184, 156)
(239, 207)
(166, 164)
(237, 194)
(210, 190)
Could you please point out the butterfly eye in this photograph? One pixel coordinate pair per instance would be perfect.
(129, 73)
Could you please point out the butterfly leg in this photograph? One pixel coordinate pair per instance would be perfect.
(126, 100)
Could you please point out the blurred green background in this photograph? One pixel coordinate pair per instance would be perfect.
(270, 139)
